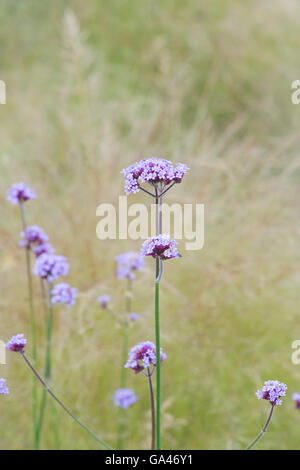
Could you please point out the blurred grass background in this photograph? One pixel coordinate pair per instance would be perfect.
(91, 88)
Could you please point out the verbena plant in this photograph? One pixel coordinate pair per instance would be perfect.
(155, 177)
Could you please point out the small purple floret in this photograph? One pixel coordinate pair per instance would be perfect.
(17, 343)
(128, 263)
(3, 388)
(272, 391)
(142, 356)
(296, 399)
(39, 250)
(134, 316)
(20, 192)
(161, 246)
(63, 293)
(50, 266)
(124, 397)
(103, 300)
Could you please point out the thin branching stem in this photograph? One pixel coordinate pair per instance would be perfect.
(152, 404)
(263, 431)
(148, 192)
(48, 390)
(167, 189)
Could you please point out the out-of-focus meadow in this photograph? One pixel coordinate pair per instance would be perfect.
(91, 88)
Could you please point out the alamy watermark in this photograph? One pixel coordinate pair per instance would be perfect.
(2, 92)
(295, 357)
(138, 222)
(295, 96)
(2, 352)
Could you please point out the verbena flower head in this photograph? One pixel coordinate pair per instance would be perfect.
(272, 391)
(33, 235)
(63, 293)
(134, 316)
(296, 398)
(103, 300)
(142, 356)
(3, 388)
(124, 397)
(160, 246)
(152, 170)
(50, 266)
(128, 263)
(17, 343)
(20, 192)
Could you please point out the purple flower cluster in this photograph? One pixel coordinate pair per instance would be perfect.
(296, 399)
(124, 397)
(161, 246)
(17, 343)
(50, 266)
(103, 300)
(272, 391)
(47, 265)
(152, 170)
(33, 235)
(63, 293)
(142, 356)
(20, 192)
(128, 263)
(3, 388)
(39, 250)
(35, 238)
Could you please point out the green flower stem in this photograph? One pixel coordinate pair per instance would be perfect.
(263, 431)
(49, 335)
(48, 390)
(152, 409)
(157, 341)
(45, 303)
(125, 336)
(48, 368)
(44, 395)
(125, 332)
(158, 274)
(33, 333)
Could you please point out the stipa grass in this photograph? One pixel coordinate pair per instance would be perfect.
(202, 92)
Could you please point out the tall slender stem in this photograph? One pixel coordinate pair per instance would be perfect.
(125, 328)
(44, 395)
(49, 335)
(263, 431)
(157, 341)
(152, 410)
(158, 202)
(48, 390)
(125, 331)
(48, 371)
(33, 332)
(44, 298)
